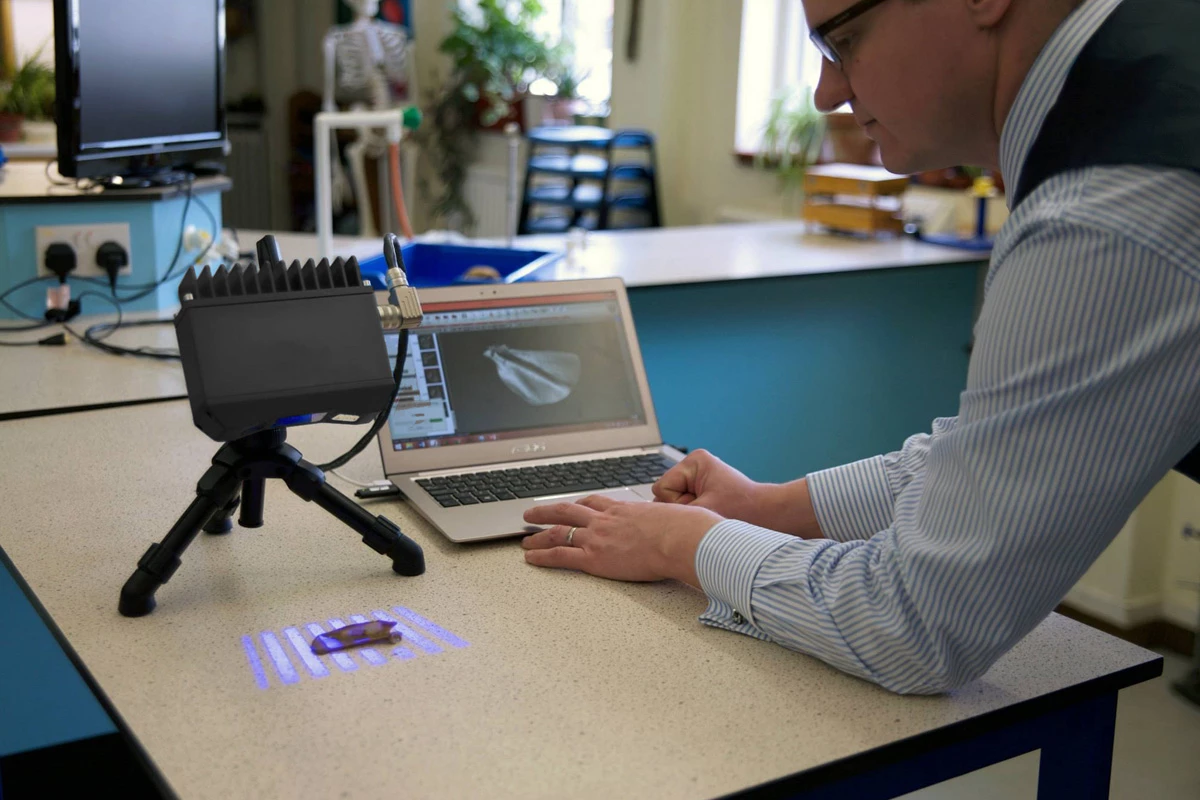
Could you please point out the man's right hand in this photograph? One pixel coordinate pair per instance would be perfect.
(706, 481)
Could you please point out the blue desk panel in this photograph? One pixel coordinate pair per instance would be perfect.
(43, 699)
(783, 376)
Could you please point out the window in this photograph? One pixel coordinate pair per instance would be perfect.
(586, 26)
(775, 56)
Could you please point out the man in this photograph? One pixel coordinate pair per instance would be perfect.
(918, 569)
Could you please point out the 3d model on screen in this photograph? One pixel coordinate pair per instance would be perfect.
(539, 377)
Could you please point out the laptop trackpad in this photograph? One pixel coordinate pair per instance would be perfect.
(623, 495)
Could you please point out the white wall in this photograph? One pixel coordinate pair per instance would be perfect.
(33, 26)
(1181, 561)
(683, 88)
(1144, 574)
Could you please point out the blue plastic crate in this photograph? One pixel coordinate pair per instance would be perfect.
(447, 264)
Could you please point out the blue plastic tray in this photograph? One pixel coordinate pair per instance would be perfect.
(447, 264)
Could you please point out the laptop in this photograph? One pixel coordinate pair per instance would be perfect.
(516, 395)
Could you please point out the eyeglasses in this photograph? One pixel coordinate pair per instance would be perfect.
(820, 34)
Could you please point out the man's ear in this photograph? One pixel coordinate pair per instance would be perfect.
(989, 13)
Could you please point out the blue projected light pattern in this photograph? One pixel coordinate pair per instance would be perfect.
(283, 657)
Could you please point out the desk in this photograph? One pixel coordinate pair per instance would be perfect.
(52, 380)
(568, 685)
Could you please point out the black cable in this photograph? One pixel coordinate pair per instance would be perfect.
(96, 334)
(91, 337)
(53, 339)
(22, 285)
(37, 326)
(146, 289)
(391, 252)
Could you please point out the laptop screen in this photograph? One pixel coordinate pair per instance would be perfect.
(490, 369)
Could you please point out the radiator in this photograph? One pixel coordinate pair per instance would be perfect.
(486, 191)
(248, 203)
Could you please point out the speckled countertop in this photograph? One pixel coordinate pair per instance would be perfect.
(568, 685)
(75, 375)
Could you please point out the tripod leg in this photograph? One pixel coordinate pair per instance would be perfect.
(222, 520)
(159, 563)
(253, 491)
(379, 533)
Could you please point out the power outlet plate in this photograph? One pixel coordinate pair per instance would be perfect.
(86, 239)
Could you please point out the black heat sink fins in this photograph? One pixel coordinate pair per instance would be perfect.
(273, 278)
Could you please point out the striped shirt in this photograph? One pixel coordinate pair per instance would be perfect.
(1083, 390)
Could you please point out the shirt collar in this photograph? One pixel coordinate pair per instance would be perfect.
(1044, 83)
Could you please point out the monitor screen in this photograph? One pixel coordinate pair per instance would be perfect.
(485, 370)
(148, 72)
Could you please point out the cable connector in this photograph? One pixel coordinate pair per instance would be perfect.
(403, 312)
(405, 309)
(63, 314)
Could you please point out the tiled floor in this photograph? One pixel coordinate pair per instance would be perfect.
(1156, 755)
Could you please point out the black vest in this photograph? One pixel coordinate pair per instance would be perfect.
(1132, 98)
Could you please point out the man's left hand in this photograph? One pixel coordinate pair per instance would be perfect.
(621, 541)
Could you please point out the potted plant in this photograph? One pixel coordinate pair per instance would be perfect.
(26, 96)
(792, 139)
(566, 103)
(495, 54)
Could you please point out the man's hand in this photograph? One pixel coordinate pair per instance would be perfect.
(701, 479)
(621, 541)
(704, 480)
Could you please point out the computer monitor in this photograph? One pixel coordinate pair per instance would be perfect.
(140, 86)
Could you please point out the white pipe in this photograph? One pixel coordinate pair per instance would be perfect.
(323, 179)
(323, 124)
(510, 199)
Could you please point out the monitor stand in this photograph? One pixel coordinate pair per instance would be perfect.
(148, 180)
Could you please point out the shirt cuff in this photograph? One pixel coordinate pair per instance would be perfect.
(727, 561)
(853, 501)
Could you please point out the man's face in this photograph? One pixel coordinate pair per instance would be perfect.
(916, 75)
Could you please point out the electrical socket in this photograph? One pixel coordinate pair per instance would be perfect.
(86, 239)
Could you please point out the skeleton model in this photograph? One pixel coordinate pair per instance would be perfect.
(363, 62)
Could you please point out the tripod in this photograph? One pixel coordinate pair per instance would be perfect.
(247, 463)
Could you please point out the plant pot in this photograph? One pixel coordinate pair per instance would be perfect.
(562, 111)
(40, 131)
(849, 143)
(534, 111)
(516, 113)
(10, 126)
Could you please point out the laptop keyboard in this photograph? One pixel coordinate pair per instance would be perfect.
(524, 482)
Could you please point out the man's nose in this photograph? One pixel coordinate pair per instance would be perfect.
(833, 90)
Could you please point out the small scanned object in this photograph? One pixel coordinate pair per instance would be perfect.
(355, 635)
(482, 273)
